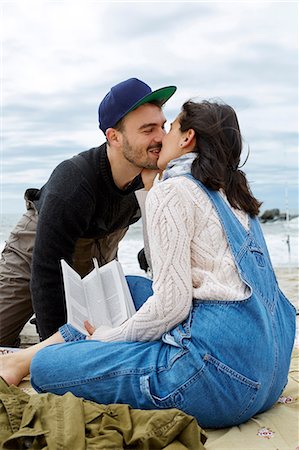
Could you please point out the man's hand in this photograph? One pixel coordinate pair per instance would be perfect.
(89, 328)
(148, 176)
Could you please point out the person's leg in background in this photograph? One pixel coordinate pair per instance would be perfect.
(104, 249)
(15, 270)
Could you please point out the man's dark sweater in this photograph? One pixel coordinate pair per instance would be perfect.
(69, 207)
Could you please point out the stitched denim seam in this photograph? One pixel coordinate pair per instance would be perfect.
(66, 335)
(94, 379)
(178, 355)
(231, 372)
(173, 396)
(70, 334)
(274, 371)
(169, 401)
(223, 303)
(250, 402)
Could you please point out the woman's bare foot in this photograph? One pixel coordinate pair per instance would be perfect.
(12, 368)
(15, 366)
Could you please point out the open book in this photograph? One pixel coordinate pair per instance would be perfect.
(102, 297)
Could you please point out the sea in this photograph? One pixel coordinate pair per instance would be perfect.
(281, 238)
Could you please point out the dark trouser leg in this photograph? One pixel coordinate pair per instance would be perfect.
(105, 250)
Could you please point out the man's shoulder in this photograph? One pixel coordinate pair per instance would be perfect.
(90, 155)
(70, 173)
(88, 163)
(95, 152)
(85, 163)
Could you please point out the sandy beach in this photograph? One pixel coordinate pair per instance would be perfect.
(288, 279)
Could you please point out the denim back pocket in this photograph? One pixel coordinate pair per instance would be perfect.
(214, 393)
(165, 387)
(231, 395)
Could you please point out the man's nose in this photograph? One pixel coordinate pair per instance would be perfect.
(160, 134)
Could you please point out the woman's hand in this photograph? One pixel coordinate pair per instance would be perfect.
(96, 334)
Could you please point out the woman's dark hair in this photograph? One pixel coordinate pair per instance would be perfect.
(219, 146)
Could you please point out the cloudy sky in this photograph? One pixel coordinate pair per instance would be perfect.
(59, 58)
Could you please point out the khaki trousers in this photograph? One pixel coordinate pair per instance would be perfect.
(15, 271)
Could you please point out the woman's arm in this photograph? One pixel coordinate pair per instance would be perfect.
(170, 225)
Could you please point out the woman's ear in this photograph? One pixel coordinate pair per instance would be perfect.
(188, 140)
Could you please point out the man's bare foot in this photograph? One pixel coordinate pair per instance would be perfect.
(12, 368)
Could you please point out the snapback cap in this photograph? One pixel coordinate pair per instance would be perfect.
(126, 96)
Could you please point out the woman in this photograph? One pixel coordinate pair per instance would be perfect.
(214, 339)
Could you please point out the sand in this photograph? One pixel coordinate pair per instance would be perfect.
(288, 280)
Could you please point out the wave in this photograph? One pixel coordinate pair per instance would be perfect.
(281, 239)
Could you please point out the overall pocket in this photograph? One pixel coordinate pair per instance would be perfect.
(175, 367)
(204, 387)
(231, 394)
(164, 388)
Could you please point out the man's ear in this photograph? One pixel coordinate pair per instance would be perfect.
(114, 137)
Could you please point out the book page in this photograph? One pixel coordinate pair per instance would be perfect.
(102, 297)
(126, 291)
(117, 295)
(77, 311)
(96, 302)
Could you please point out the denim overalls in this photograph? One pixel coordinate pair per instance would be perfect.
(227, 362)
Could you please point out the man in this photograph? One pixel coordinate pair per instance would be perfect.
(82, 211)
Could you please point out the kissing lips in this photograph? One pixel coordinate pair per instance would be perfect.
(155, 151)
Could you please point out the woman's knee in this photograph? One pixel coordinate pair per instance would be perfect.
(140, 288)
(44, 367)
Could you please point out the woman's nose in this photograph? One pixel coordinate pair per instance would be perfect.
(161, 134)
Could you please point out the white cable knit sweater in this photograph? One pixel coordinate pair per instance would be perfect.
(190, 259)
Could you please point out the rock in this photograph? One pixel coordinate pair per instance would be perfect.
(270, 214)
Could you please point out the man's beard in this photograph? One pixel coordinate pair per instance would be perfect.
(138, 156)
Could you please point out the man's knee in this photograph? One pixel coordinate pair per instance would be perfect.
(15, 274)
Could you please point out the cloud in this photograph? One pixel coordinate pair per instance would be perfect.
(60, 58)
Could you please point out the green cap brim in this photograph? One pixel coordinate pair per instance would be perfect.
(160, 96)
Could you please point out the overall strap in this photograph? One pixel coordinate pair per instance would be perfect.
(248, 248)
(235, 232)
(239, 239)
